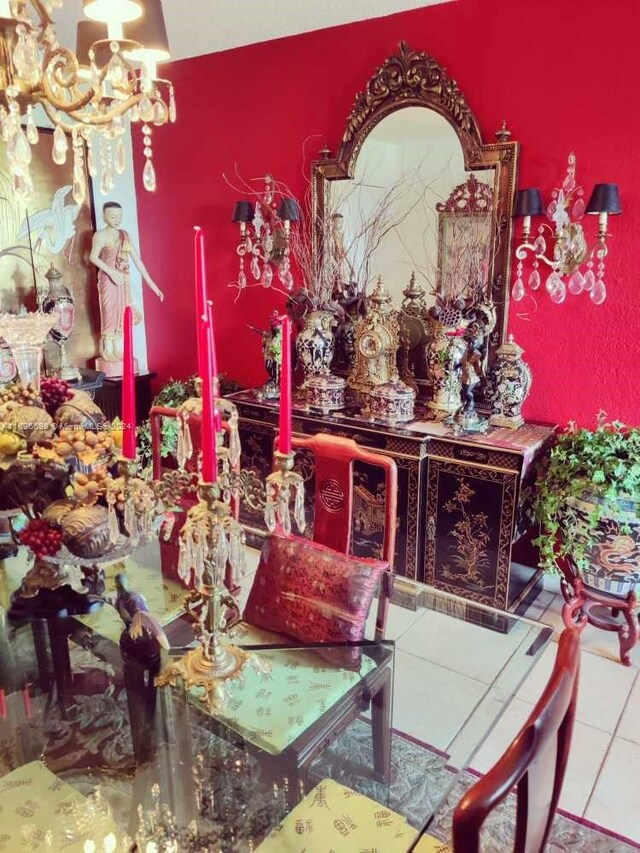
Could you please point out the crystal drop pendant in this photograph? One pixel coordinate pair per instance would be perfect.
(288, 280)
(576, 283)
(106, 181)
(121, 157)
(551, 210)
(534, 280)
(149, 176)
(159, 113)
(267, 276)
(20, 148)
(242, 279)
(589, 281)
(60, 146)
(599, 292)
(79, 188)
(578, 209)
(559, 293)
(91, 162)
(255, 268)
(569, 183)
(145, 108)
(20, 187)
(539, 245)
(32, 130)
(172, 106)
(517, 292)
(552, 282)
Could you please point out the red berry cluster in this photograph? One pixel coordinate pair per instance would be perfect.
(43, 539)
(54, 393)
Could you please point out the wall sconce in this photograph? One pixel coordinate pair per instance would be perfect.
(264, 236)
(570, 249)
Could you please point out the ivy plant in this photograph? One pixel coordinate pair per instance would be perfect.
(599, 466)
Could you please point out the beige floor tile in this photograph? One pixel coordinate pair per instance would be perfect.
(629, 727)
(432, 703)
(399, 620)
(588, 750)
(604, 688)
(466, 648)
(615, 802)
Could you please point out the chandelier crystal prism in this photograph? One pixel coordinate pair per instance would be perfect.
(89, 100)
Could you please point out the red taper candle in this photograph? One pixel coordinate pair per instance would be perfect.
(284, 439)
(209, 452)
(217, 417)
(128, 388)
(201, 287)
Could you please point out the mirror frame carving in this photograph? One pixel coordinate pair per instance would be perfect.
(414, 78)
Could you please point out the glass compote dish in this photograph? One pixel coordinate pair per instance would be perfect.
(25, 334)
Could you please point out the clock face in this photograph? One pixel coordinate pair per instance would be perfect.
(370, 345)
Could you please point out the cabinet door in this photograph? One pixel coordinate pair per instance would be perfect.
(470, 516)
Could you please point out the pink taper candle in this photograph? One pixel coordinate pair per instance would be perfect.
(128, 388)
(284, 439)
(209, 453)
(201, 288)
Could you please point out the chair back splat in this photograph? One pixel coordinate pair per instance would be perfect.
(334, 458)
(535, 761)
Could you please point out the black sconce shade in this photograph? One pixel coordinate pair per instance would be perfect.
(88, 32)
(288, 210)
(605, 198)
(243, 212)
(528, 203)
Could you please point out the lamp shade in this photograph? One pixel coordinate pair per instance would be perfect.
(288, 210)
(605, 198)
(243, 212)
(151, 32)
(89, 32)
(528, 203)
(113, 11)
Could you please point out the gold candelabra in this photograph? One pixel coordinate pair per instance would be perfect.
(210, 539)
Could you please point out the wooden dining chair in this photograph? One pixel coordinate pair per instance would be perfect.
(334, 458)
(535, 762)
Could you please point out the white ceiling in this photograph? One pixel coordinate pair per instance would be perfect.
(206, 26)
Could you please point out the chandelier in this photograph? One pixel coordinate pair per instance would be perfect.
(88, 96)
(570, 249)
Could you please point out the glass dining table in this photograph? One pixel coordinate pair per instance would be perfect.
(364, 742)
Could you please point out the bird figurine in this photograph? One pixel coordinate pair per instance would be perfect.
(134, 612)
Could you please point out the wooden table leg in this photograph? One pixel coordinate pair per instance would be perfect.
(381, 727)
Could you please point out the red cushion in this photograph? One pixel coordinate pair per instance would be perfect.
(313, 594)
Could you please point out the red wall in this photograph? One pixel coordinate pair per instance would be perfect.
(563, 74)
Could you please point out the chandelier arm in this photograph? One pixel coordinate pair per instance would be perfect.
(103, 118)
(62, 56)
(524, 248)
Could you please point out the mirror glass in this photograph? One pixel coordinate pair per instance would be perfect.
(412, 207)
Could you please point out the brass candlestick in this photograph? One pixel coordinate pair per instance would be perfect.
(209, 540)
(282, 486)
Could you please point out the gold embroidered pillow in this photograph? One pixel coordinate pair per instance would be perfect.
(313, 594)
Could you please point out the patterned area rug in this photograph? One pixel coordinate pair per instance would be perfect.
(419, 778)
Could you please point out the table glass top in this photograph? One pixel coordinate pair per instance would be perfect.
(93, 756)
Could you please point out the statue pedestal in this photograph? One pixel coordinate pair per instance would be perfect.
(114, 369)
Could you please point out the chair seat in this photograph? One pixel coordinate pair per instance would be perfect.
(335, 818)
(34, 802)
(271, 709)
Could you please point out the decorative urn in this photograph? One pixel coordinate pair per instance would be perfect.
(508, 385)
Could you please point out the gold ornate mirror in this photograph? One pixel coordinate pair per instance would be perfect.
(412, 156)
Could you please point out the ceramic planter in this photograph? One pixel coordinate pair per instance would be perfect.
(614, 557)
